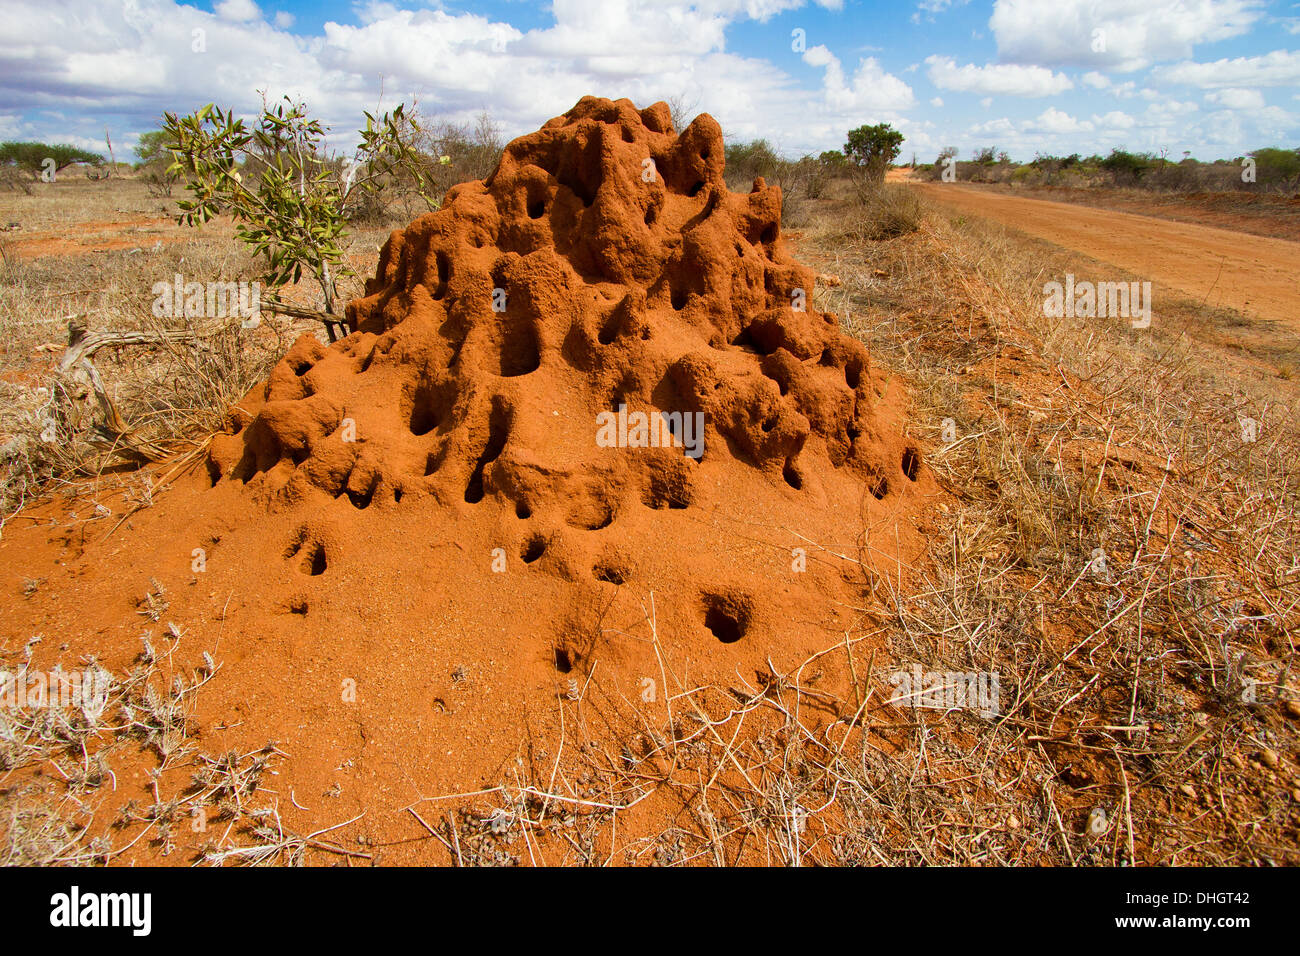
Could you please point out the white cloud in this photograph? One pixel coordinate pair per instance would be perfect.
(998, 127)
(130, 61)
(1099, 81)
(284, 20)
(237, 11)
(929, 9)
(1169, 109)
(1002, 79)
(134, 60)
(1116, 34)
(939, 6)
(871, 88)
(1114, 120)
(1235, 98)
(1279, 68)
(1052, 120)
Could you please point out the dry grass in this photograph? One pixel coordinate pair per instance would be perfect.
(170, 396)
(1076, 435)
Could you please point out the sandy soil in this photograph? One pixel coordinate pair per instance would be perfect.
(132, 232)
(1223, 268)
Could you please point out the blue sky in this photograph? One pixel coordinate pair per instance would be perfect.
(1213, 77)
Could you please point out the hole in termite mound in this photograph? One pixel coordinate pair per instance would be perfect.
(791, 475)
(611, 570)
(533, 549)
(311, 558)
(563, 660)
(608, 331)
(590, 513)
(670, 484)
(427, 406)
(520, 352)
(434, 461)
(309, 553)
(444, 273)
(853, 374)
(361, 499)
(498, 431)
(879, 487)
(727, 616)
(911, 463)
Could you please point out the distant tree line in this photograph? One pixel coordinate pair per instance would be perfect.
(1270, 169)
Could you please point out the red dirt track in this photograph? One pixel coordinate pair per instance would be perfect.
(1226, 269)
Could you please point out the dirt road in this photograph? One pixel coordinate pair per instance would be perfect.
(1252, 274)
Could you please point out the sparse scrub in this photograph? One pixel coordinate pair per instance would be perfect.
(1276, 171)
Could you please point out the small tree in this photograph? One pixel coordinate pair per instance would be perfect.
(682, 108)
(288, 198)
(155, 162)
(1126, 167)
(153, 146)
(35, 157)
(751, 160)
(1278, 166)
(874, 148)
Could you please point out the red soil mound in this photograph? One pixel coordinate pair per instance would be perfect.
(434, 496)
(604, 265)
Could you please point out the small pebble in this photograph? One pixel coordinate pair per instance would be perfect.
(1189, 790)
(1293, 708)
(1236, 761)
(1269, 757)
